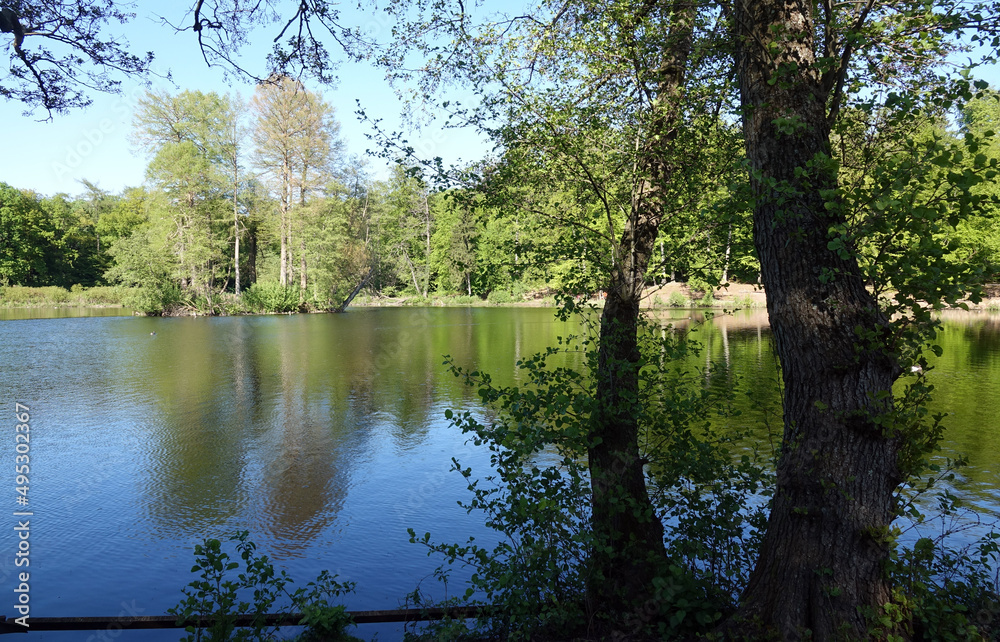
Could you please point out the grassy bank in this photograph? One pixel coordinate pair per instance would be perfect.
(17, 296)
(671, 295)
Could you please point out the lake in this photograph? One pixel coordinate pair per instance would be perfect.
(323, 435)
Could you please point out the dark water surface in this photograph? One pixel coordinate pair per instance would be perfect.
(323, 435)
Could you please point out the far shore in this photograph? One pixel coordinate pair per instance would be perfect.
(673, 295)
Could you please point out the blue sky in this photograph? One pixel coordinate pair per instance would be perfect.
(51, 157)
(93, 144)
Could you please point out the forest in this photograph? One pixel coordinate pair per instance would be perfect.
(251, 206)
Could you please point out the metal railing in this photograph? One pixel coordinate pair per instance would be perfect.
(8, 625)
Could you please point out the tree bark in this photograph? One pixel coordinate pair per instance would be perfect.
(629, 535)
(822, 558)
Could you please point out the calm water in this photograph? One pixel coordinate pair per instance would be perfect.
(323, 435)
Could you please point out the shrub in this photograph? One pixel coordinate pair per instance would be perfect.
(270, 297)
(677, 300)
(153, 299)
(500, 297)
(219, 595)
(699, 284)
(21, 295)
(537, 576)
(230, 304)
(744, 301)
(100, 295)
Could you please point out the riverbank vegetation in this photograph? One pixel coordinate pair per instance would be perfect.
(220, 214)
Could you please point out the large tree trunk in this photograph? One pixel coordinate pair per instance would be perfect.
(629, 534)
(822, 558)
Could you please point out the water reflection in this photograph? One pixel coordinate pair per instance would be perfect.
(52, 312)
(324, 434)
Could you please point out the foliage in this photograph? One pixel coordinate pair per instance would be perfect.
(499, 297)
(745, 302)
(186, 135)
(945, 586)
(219, 595)
(677, 299)
(26, 238)
(83, 58)
(944, 593)
(539, 499)
(144, 268)
(17, 295)
(270, 297)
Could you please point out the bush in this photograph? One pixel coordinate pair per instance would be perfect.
(218, 594)
(98, 295)
(16, 295)
(153, 300)
(270, 297)
(677, 300)
(500, 297)
(537, 576)
(230, 304)
(20, 295)
(463, 300)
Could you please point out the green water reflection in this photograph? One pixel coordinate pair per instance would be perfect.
(325, 435)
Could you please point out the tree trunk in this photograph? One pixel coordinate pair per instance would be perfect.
(303, 281)
(236, 223)
(729, 248)
(628, 533)
(343, 306)
(285, 225)
(251, 255)
(427, 249)
(822, 557)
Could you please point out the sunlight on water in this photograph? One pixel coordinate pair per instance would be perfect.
(323, 435)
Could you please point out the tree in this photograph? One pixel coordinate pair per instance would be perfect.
(232, 153)
(26, 238)
(454, 252)
(822, 562)
(980, 233)
(189, 137)
(593, 110)
(295, 141)
(408, 228)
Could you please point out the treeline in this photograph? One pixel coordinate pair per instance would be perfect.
(253, 206)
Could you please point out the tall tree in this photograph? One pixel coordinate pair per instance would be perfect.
(595, 105)
(821, 570)
(233, 152)
(409, 228)
(187, 135)
(295, 140)
(26, 238)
